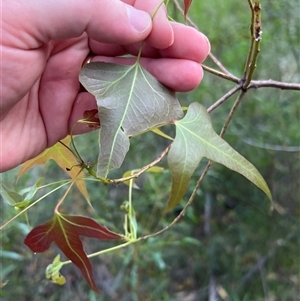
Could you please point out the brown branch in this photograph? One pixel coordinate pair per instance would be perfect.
(254, 84)
(142, 170)
(256, 36)
(225, 75)
(231, 113)
(273, 84)
(256, 31)
(220, 65)
(224, 98)
(214, 59)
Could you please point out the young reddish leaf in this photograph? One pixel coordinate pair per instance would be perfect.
(91, 119)
(64, 231)
(63, 157)
(187, 4)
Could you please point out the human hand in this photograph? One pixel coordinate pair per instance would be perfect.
(44, 45)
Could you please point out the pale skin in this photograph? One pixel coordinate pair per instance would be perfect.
(43, 47)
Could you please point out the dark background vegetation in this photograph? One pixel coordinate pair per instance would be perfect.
(229, 241)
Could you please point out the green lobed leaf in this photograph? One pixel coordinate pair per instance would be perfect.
(22, 198)
(130, 101)
(196, 138)
(9, 196)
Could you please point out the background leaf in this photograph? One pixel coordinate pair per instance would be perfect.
(64, 158)
(64, 231)
(196, 138)
(130, 101)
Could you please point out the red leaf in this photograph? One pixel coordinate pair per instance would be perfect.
(187, 4)
(64, 230)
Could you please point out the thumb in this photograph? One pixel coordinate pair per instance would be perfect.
(109, 21)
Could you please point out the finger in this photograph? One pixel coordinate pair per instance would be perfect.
(103, 20)
(59, 86)
(161, 35)
(84, 102)
(118, 50)
(177, 74)
(188, 44)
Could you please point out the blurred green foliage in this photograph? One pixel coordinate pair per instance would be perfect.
(251, 252)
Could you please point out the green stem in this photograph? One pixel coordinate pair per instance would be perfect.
(137, 173)
(31, 205)
(130, 211)
(106, 250)
(142, 44)
(79, 159)
(231, 113)
(67, 181)
(221, 74)
(66, 192)
(157, 8)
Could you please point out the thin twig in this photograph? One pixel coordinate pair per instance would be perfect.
(31, 205)
(183, 211)
(254, 84)
(214, 59)
(67, 191)
(142, 170)
(224, 98)
(221, 74)
(231, 113)
(220, 65)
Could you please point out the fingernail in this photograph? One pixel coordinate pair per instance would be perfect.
(138, 19)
